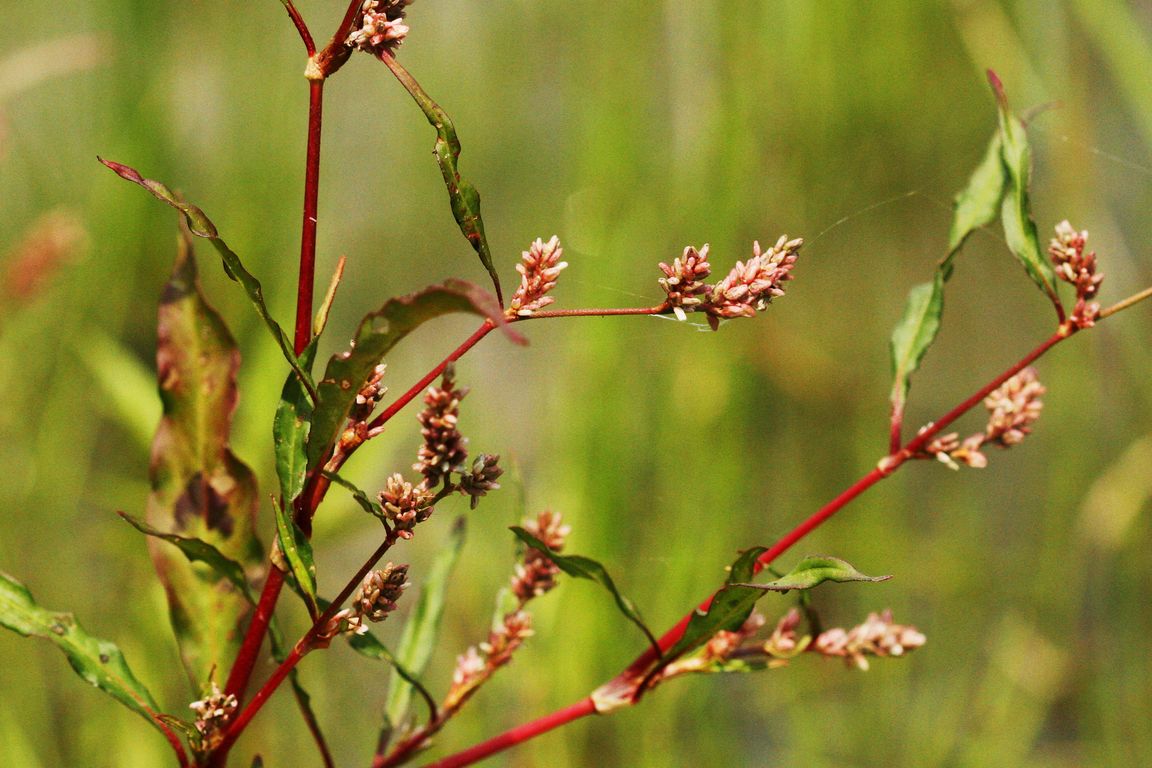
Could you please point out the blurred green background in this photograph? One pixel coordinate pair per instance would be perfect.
(630, 130)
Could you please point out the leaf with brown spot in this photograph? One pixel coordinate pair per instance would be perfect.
(200, 490)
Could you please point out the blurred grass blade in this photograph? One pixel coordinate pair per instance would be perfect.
(368, 504)
(418, 639)
(99, 662)
(296, 552)
(1016, 211)
(367, 645)
(200, 490)
(580, 567)
(813, 571)
(729, 609)
(378, 333)
(199, 551)
(290, 430)
(464, 197)
(127, 386)
(202, 226)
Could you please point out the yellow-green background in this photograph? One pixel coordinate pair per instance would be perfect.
(630, 130)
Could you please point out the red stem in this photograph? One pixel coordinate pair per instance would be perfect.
(517, 735)
(542, 314)
(307, 279)
(642, 667)
(485, 328)
(241, 672)
(301, 27)
(299, 650)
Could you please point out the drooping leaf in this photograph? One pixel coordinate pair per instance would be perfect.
(99, 662)
(1016, 210)
(202, 226)
(580, 567)
(199, 551)
(978, 204)
(813, 571)
(368, 645)
(728, 610)
(912, 337)
(200, 490)
(296, 551)
(368, 504)
(464, 198)
(378, 333)
(418, 639)
(290, 431)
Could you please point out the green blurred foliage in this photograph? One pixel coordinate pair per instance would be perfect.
(631, 130)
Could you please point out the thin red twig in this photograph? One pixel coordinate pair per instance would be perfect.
(641, 668)
(517, 735)
(305, 284)
(301, 27)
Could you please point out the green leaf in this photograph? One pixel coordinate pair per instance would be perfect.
(418, 639)
(464, 198)
(199, 551)
(813, 571)
(1016, 210)
(367, 645)
(978, 203)
(728, 610)
(99, 662)
(913, 335)
(297, 553)
(378, 333)
(200, 490)
(369, 505)
(201, 226)
(290, 430)
(580, 567)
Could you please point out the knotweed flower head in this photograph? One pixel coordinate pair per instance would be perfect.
(539, 267)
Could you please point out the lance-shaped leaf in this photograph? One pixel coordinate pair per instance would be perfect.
(98, 661)
(728, 610)
(199, 551)
(368, 645)
(978, 203)
(1016, 211)
(200, 490)
(293, 554)
(377, 334)
(975, 206)
(912, 337)
(464, 198)
(290, 431)
(813, 571)
(418, 639)
(580, 567)
(368, 504)
(202, 226)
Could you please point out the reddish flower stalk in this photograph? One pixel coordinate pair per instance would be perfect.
(631, 680)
